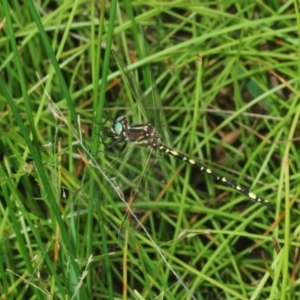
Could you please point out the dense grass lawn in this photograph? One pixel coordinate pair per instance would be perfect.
(85, 214)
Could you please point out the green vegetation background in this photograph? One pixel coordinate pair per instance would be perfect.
(228, 76)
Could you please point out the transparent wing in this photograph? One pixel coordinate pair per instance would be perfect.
(151, 107)
(137, 93)
(160, 122)
(134, 179)
(129, 186)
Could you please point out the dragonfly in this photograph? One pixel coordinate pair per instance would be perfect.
(146, 167)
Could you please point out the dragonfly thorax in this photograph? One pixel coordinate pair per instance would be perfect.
(142, 134)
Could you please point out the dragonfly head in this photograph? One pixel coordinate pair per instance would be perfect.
(118, 125)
